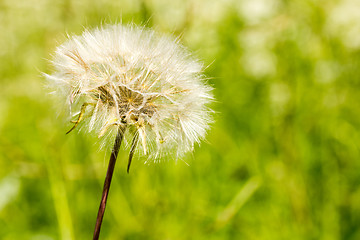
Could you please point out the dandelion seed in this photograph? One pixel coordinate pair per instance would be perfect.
(128, 76)
(147, 88)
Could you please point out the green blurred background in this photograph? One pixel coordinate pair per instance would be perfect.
(282, 160)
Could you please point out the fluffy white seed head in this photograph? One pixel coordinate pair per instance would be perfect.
(130, 77)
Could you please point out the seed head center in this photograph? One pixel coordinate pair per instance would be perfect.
(133, 106)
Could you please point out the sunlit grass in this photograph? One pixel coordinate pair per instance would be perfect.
(282, 158)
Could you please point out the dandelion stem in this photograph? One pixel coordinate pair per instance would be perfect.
(107, 182)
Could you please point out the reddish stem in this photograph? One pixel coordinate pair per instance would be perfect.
(107, 182)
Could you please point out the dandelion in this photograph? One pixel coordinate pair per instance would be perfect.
(147, 88)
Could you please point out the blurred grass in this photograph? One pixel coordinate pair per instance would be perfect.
(282, 159)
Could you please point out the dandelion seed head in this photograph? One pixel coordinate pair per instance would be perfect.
(129, 76)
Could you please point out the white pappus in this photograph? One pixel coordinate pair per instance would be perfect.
(130, 78)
